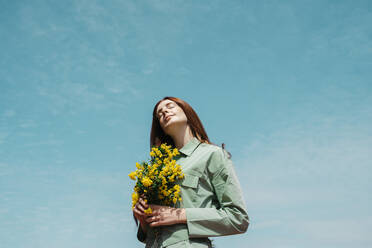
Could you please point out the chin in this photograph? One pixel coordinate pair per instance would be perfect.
(175, 122)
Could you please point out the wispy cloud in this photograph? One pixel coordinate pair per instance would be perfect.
(27, 124)
(3, 136)
(9, 113)
(75, 97)
(312, 179)
(50, 142)
(344, 231)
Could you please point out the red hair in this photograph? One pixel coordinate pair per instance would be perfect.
(158, 136)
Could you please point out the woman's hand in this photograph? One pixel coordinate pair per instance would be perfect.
(163, 216)
(139, 213)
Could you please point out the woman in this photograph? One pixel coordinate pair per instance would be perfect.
(212, 201)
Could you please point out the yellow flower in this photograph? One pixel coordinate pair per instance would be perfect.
(147, 182)
(162, 171)
(148, 211)
(132, 175)
(139, 174)
(175, 152)
(134, 198)
(171, 178)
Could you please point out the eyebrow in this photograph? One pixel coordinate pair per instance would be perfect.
(162, 108)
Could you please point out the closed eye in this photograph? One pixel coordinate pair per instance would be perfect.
(169, 105)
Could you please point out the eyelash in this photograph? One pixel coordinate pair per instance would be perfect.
(161, 114)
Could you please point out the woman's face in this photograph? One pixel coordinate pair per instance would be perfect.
(170, 115)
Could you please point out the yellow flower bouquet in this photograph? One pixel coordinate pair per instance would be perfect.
(156, 179)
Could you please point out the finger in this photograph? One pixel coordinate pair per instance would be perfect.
(143, 203)
(140, 207)
(155, 223)
(150, 219)
(139, 213)
(154, 218)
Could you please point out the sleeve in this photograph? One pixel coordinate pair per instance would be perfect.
(231, 217)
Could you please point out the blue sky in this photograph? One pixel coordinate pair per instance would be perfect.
(284, 84)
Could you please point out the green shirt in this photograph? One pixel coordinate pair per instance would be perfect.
(211, 195)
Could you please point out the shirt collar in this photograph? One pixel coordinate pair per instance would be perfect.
(190, 147)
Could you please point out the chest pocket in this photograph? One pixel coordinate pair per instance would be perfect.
(189, 186)
(190, 181)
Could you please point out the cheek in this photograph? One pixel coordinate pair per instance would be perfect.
(180, 113)
(181, 116)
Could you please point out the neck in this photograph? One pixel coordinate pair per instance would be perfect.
(182, 137)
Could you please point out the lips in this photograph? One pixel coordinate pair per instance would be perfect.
(168, 117)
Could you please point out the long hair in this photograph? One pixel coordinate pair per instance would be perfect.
(158, 136)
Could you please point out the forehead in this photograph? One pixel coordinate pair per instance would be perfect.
(164, 104)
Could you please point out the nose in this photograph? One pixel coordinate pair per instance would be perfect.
(166, 112)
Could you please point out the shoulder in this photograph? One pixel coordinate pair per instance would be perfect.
(209, 147)
(215, 151)
(218, 158)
